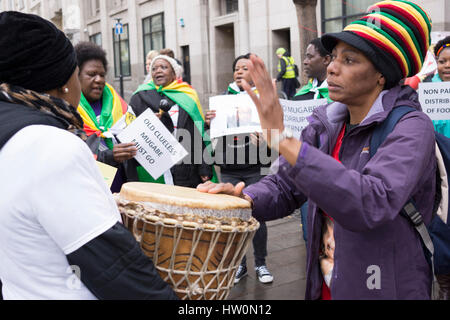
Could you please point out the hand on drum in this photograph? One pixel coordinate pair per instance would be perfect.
(225, 188)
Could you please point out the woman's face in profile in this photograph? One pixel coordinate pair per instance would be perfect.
(162, 73)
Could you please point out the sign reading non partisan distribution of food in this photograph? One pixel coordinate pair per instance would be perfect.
(158, 149)
(435, 99)
(296, 113)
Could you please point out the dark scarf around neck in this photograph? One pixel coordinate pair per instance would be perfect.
(20, 108)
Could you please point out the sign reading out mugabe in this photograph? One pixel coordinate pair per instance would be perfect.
(297, 112)
(435, 99)
(157, 148)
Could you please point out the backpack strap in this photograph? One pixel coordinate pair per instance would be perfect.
(415, 217)
(409, 211)
(386, 127)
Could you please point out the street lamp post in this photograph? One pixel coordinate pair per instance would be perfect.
(119, 30)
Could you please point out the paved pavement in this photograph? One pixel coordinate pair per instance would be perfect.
(286, 259)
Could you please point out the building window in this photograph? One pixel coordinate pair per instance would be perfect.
(232, 6)
(19, 5)
(118, 3)
(337, 14)
(153, 31)
(96, 38)
(124, 52)
(95, 7)
(228, 6)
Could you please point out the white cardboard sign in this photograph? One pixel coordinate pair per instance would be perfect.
(158, 149)
(296, 112)
(235, 114)
(435, 99)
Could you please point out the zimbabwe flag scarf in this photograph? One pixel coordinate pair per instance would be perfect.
(185, 97)
(319, 92)
(113, 108)
(233, 88)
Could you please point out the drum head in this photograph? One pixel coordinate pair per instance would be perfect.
(180, 196)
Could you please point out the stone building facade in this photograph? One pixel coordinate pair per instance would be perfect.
(205, 35)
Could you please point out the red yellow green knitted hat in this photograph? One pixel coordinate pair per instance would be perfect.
(394, 35)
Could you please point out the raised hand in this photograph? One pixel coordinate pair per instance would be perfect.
(268, 104)
(269, 109)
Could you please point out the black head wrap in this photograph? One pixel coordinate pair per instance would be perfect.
(34, 54)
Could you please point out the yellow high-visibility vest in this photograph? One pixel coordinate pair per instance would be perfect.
(290, 72)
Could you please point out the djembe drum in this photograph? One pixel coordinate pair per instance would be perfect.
(196, 240)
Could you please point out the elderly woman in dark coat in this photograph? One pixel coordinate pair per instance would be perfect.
(178, 107)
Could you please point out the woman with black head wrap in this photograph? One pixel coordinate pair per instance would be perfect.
(57, 216)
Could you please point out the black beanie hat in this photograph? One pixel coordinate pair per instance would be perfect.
(34, 54)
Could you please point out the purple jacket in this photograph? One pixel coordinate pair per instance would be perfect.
(364, 197)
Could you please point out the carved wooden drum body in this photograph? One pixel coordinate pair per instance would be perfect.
(196, 240)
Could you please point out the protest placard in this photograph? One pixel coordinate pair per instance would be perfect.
(158, 149)
(108, 173)
(435, 99)
(235, 114)
(296, 112)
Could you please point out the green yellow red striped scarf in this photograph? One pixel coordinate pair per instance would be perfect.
(113, 108)
(185, 97)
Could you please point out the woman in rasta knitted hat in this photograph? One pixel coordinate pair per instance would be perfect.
(359, 246)
(56, 212)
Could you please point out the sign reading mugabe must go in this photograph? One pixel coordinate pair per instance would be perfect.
(158, 150)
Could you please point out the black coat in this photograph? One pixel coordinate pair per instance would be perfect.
(237, 154)
(186, 174)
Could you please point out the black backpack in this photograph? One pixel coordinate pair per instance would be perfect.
(436, 236)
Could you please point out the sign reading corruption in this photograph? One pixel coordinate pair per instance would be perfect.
(296, 113)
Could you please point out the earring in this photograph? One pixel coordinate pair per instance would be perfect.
(66, 90)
